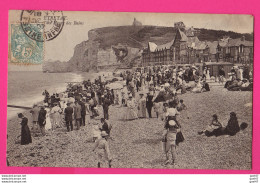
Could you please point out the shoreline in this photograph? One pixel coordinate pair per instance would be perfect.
(73, 149)
(140, 139)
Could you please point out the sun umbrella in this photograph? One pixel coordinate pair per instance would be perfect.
(115, 85)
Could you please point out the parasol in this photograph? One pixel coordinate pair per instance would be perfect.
(115, 86)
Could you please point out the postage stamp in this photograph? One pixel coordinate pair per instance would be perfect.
(24, 50)
(42, 25)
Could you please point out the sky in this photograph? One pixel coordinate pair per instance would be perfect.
(62, 47)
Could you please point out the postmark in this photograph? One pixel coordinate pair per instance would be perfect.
(42, 25)
(24, 50)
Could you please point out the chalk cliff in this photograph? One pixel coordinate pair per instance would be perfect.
(122, 45)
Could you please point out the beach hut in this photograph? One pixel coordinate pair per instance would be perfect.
(215, 66)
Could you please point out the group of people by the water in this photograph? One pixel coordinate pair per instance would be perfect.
(145, 92)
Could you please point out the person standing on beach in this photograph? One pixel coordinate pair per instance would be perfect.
(142, 106)
(149, 104)
(42, 120)
(83, 113)
(102, 150)
(56, 117)
(26, 137)
(35, 113)
(68, 117)
(77, 114)
(221, 74)
(106, 104)
(169, 139)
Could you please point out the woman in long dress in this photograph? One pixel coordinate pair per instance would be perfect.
(48, 120)
(208, 74)
(56, 116)
(197, 88)
(142, 106)
(131, 106)
(26, 137)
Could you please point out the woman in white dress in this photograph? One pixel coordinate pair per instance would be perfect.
(207, 75)
(48, 120)
(56, 116)
(197, 88)
(131, 112)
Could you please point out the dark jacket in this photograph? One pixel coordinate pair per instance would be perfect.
(232, 127)
(149, 101)
(105, 128)
(106, 103)
(83, 108)
(206, 86)
(25, 132)
(221, 72)
(68, 113)
(42, 117)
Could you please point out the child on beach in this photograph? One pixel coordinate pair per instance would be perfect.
(156, 107)
(123, 99)
(164, 111)
(181, 106)
(212, 128)
(96, 131)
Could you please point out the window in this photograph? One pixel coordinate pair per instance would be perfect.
(241, 49)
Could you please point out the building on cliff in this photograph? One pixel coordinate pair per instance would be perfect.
(179, 25)
(186, 48)
(176, 51)
(136, 23)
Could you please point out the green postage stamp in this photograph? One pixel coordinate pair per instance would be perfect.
(23, 49)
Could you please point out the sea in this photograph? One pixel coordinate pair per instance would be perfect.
(26, 88)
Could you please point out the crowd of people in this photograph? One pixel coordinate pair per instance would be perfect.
(151, 89)
(240, 80)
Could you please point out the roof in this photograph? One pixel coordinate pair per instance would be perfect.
(200, 46)
(191, 41)
(165, 46)
(223, 43)
(183, 36)
(238, 42)
(213, 47)
(152, 46)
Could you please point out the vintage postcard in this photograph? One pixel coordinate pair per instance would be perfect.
(130, 90)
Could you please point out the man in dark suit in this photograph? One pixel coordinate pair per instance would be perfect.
(83, 113)
(42, 120)
(105, 104)
(68, 117)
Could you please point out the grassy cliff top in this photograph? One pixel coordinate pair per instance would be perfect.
(139, 36)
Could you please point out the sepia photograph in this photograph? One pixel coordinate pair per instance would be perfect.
(130, 90)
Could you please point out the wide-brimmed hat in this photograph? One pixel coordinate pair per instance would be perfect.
(104, 134)
(95, 123)
(172, 123)
(166, 84)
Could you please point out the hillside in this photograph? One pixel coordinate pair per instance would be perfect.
(125, 34)
(99, 50)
